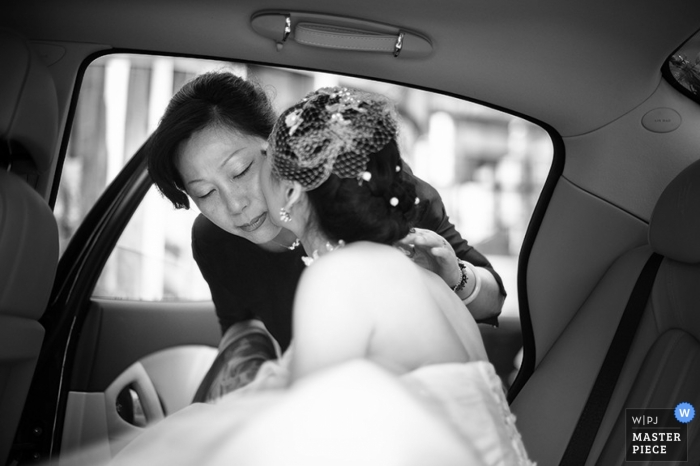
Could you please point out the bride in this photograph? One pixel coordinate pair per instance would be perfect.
(333, 172)
(386, 365)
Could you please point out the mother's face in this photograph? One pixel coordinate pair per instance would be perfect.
(219, 168)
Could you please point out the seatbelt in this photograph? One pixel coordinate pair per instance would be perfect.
(581, 440)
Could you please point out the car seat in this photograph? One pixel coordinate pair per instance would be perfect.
(662, 368)
(28, 231)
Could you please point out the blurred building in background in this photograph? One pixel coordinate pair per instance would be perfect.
(489, 166)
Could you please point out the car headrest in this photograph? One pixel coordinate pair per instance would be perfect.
(674, 229)
(28, 106)
(28, 249)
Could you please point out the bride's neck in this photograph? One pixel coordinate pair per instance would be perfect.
(314, 240)
(284, 241)
(317, 246)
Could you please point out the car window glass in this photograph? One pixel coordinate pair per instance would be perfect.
(684, 67)
(152, 259)
(489, 166)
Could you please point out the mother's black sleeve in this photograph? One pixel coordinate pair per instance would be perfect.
(435, 218)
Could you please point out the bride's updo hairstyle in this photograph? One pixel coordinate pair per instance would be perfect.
(340, 145)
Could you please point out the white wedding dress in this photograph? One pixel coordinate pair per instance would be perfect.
(354, 413)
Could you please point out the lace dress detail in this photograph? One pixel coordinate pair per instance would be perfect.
(470, 396)
(508, 417)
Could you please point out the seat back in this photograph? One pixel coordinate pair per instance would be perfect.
(28, 230)
(663, 365)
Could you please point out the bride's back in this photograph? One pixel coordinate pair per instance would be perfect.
(368, 300)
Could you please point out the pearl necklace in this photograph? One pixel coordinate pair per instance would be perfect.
(291, 247)
(329, 248)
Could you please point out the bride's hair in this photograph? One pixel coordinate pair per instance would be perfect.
(348, 210)
(340, 145)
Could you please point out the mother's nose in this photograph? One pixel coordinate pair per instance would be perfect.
(235, 201)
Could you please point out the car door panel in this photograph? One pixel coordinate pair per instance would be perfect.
(118, 333)
(136, 363)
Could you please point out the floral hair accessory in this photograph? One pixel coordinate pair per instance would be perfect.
(333, 130)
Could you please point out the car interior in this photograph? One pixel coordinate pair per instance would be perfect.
(607, 290)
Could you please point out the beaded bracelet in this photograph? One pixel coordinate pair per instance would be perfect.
(463, 281)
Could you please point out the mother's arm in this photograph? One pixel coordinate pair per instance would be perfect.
(479, 287)
(488, 303)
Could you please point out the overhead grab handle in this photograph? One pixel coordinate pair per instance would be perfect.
(339, 33)
(320, 35)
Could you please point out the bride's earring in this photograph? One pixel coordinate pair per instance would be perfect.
(284, 215)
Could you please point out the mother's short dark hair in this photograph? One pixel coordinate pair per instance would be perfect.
(217, 98)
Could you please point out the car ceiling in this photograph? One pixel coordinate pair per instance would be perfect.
(573, 65)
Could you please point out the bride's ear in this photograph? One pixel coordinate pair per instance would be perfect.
(293, 192)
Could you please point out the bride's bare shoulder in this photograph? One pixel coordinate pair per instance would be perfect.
(361, 256)
(361, 263)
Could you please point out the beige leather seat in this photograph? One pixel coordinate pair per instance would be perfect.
(28, 231)
(663, 366)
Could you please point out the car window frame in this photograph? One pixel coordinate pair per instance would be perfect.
(89, 249)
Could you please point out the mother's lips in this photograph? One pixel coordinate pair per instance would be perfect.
(254, 224)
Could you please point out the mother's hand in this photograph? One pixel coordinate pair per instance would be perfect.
(432, 252)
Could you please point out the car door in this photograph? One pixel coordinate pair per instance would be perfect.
(117, 355)
(110, 365)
